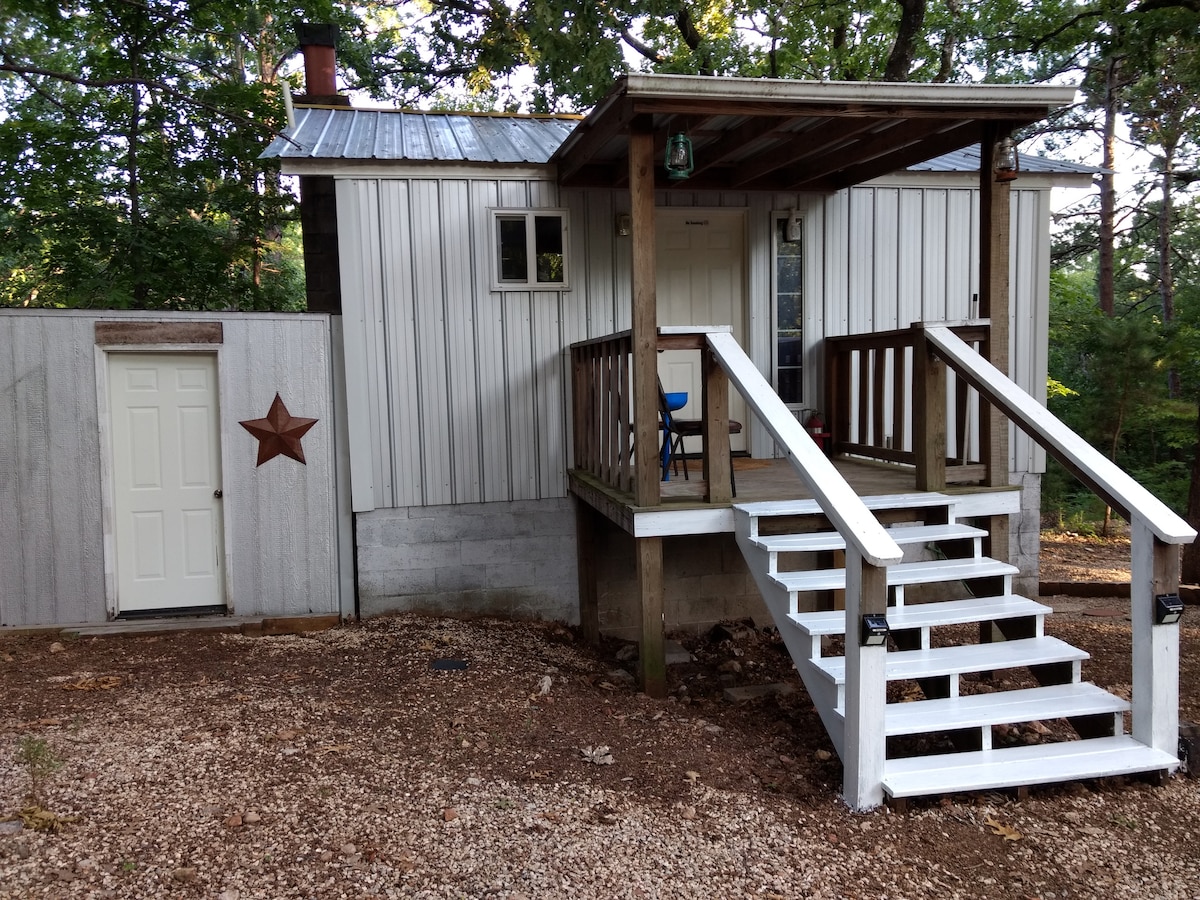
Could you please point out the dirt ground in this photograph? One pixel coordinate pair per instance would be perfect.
(350, 763)
(1075, 557)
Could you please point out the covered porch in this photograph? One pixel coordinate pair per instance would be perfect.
(919, 419)
(766, 136)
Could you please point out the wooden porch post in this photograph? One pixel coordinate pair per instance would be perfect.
(929, 415)
(1154, 569)
(717, 464)
(994, 257)
(585, 553)
(866, 687)
(644, 337)
(652, 655)
(644, 319)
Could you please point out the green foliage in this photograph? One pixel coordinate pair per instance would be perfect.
(1118, 368)
(128, 155)
(40, 762)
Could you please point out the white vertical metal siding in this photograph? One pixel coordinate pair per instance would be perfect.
(464, 392)
(894, 256)
(468, 392)
(280, 518)
(51, 540)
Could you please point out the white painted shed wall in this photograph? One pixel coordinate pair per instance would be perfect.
(459, 394)
(280, 527)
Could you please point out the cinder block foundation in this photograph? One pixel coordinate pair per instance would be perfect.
(515, 559)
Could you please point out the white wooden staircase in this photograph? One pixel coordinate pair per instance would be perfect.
(795, 573)
(851, 693)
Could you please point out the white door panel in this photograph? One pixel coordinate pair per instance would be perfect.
(166, 480)
(700, 281)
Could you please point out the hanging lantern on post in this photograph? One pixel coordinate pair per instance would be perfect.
(1007, 163)
(678, 161)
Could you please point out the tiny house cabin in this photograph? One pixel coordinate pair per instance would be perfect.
(722, 347)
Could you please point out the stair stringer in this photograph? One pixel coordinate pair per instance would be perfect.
(827, 697)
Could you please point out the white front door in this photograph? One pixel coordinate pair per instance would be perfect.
(701, 280)
(166, 479)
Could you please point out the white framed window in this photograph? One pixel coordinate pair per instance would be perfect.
(530, 249)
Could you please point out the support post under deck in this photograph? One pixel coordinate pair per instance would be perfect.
(652, 656)
(589, 596)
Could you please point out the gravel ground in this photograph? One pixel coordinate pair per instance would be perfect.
(342, 764)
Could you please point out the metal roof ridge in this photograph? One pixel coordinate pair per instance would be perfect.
(483, 114)
(726, 87)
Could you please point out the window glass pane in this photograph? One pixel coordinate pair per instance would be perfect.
(548, 240)
(514, 262)
(789, 274)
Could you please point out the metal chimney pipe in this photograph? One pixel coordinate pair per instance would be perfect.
(319, 43)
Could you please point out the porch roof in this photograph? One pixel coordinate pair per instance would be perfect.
(748, 134)
(775, 135)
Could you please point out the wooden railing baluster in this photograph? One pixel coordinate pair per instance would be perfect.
(858, 368)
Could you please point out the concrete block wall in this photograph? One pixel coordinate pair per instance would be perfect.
(705, 581)
(519, 559)
(1025, 534)
(515, 559)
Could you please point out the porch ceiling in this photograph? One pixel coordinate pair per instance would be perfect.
(768, 135)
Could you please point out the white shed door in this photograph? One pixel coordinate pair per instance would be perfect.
(166, 481)
(701, 280)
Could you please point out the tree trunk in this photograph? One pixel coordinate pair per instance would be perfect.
(1108, 190)
(949, 45)
(694, 39)
(1190, 573)
(1166, 278)
(912, 18)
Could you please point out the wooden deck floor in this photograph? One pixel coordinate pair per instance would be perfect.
(775, 479)
(684, 511)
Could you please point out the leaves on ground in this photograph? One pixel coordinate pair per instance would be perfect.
(41, 819)
(99, 683)
(599, 755)
(1005, 831)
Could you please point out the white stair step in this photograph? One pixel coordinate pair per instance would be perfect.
(831, 540)
(924, 572)
(927, 615)
(912, 664)
(1014, 766)
(918, 500)
(1057, 701)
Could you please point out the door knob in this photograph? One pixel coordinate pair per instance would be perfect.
(218, 493)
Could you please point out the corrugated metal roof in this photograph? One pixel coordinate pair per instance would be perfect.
(967, 160)
(335, 133)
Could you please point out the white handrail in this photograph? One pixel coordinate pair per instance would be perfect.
(836, 498)
(1108, 479)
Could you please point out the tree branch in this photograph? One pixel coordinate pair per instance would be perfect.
(23, 71)
(644, 49)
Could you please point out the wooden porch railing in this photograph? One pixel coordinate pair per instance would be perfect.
(882, 405)
(603, 420)
(602, 391)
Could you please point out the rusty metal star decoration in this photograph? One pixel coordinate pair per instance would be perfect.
(279, 433)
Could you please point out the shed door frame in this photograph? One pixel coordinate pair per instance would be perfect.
(107, 463)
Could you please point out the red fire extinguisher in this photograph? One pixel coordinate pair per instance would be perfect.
(815, 426)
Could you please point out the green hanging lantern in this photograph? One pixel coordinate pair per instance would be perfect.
(679, 163)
